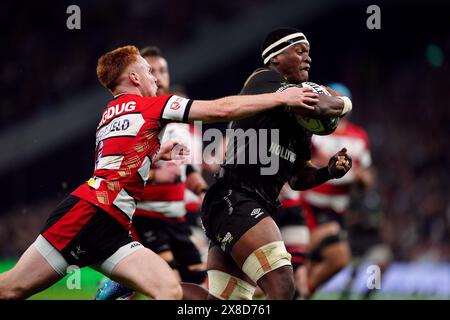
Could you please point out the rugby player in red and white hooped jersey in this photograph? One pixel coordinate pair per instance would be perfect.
(159, 222)
(325, 206)
(91, 227)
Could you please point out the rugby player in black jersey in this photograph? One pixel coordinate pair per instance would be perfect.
(246, 246)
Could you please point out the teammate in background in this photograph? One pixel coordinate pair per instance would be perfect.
(91, 226)
(325, 206)
(159, 222)
(364, 219)
(246, 245)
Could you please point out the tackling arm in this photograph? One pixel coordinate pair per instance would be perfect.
(237, 107)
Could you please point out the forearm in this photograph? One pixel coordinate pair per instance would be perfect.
(309, 177)
(196, 183)
(234, 107)
(331, 107)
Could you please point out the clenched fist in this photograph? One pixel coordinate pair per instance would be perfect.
(339, 164)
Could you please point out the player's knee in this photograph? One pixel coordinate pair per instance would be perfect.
(6, 291)
(164, 287)
(171, 290)
(175, 292)
(12, 292)
(6, 294)
(279, 284)
(288, 284)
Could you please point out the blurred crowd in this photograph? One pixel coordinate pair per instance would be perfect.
(39, 70)
(408, 127)
(401, 103)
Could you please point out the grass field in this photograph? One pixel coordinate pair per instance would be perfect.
(90, 279)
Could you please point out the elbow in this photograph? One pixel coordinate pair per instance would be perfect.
(293, 183)
(297, 185)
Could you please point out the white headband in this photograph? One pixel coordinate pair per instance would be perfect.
(282, 44)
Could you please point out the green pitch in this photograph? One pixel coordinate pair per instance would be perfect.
(67, 288)
(86, 288)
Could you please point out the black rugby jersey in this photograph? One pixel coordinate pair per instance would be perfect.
(285, 141)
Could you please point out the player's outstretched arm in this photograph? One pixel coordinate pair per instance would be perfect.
(308, 176)
(236, 107)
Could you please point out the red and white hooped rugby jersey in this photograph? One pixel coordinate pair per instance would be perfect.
(167, 200)
(127, 140)
(334, 194)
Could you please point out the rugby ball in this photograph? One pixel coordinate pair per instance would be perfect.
(320, 127)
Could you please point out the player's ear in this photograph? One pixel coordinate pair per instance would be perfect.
(275, 60)
(134, 78)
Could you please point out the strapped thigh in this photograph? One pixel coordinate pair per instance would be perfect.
(266, 259)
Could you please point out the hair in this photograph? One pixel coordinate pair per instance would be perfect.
(151, 51)
(112, 64)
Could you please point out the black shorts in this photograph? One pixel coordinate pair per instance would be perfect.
(316, 216)
(228, 213)
(161, 235)
(83, 233)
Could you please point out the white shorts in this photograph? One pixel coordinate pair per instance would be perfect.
(60, 265)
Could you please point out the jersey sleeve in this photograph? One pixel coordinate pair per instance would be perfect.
(263, 81)
(304, 146)
(169, 108)
(176, 109)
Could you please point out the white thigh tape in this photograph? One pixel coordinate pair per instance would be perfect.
(265, 259)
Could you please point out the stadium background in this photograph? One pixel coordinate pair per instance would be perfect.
(399, 77)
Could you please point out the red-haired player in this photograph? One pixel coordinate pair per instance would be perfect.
(91, 227)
